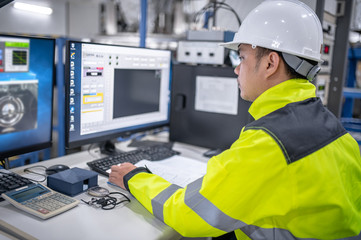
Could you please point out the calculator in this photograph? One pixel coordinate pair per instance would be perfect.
(40, 200)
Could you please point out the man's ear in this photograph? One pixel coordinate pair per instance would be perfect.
(273, 61)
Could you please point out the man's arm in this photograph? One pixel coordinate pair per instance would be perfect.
(163, 199)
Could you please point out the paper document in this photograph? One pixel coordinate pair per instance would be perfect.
(216, 95)
(177, 169)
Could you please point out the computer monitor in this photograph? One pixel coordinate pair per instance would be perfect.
(114, 91)
(206, 107)
(26, 94)
(4, 2)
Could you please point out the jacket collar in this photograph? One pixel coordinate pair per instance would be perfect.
(293, 90)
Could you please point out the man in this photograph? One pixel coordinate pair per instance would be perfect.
(294, 172)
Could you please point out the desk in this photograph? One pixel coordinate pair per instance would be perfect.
(126, 221)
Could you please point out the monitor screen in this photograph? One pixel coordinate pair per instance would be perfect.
(206, 108)
(114, 90)
(26, 94)
(4, 2)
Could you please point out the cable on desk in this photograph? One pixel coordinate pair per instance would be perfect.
(108, 202)
(27, 170)
(89, 150)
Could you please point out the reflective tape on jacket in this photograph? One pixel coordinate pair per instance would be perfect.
(294, 173)
(216, 218)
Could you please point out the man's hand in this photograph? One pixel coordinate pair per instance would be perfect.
(118, 172)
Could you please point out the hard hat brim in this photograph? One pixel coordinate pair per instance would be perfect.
(234, 46)
(230, 45)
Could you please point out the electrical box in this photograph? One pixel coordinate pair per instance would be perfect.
(329, 30)
(202, 47)
(326, 55)
(322, 84)
(210, 35)
(200, 52)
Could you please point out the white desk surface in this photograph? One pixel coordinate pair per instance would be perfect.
(126, 221)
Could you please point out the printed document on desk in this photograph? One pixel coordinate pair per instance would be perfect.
(177, 169)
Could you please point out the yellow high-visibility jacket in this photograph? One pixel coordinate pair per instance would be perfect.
(293, 173)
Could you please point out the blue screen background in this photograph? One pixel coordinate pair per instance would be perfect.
(41, 65)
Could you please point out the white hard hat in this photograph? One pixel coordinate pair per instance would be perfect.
(285, 26)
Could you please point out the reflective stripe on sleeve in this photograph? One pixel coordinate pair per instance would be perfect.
(161, 198)
(207, 210)
(217, 219)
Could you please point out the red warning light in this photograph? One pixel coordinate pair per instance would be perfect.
(326, 49)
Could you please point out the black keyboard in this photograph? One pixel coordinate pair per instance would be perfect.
(10, 181)
(153, 153)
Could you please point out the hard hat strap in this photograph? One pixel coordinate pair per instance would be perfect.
(301, 66)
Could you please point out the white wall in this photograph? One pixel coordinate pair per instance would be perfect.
(83, 19)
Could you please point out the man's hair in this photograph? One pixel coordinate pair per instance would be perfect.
(261, 52)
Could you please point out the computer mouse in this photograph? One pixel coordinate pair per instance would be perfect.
(212, 152)
(56, 168)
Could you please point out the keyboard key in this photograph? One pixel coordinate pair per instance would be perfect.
(152, 153)
(10, 181)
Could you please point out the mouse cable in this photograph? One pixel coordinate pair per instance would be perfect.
(107, 202)
(28, 170)
(90, 147)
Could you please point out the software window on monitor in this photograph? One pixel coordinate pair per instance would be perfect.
(26, 94)
(113, 89)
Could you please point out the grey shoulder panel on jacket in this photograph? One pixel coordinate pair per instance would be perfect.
(300, 128)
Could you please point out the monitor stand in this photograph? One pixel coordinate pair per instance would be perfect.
(108, 148)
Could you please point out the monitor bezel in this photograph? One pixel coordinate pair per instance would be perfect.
(43, 145)
(110, 135)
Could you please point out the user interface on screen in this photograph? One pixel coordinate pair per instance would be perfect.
(26, 94)
(112, 90)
